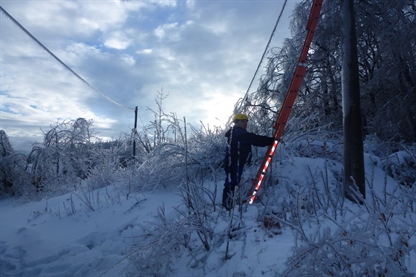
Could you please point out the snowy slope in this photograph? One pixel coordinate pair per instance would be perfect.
(93, 234)
(45, 239)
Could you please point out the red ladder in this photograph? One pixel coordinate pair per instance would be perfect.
(289, 99)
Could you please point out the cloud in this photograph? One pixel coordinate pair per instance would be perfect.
(144, 51)
(202, 53)
(117, 40)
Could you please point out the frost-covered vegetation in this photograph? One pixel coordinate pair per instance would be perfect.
(301, 201)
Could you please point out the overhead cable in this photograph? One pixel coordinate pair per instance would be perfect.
(264, 54)
(60, 61)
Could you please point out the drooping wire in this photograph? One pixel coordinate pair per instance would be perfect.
(262, 57)
(60, 61)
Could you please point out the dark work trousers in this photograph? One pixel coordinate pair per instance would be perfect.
(232, 179)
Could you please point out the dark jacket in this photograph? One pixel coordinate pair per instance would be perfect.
(240, 142)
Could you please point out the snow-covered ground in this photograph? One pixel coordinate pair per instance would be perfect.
(63, 237)
(46, 239)
(94, 234)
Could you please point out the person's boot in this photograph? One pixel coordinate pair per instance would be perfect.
(227, 198)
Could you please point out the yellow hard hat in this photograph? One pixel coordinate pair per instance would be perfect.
(240, 116)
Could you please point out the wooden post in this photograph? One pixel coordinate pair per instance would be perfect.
(134, 132)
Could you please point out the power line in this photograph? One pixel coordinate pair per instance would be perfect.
(60, 61)
(264, 53)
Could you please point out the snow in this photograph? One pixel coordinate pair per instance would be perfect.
(44, 239)
(96, 233)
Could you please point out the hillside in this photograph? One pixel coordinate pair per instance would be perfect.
(298, 223)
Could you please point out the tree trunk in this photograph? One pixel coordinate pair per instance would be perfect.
(352, 122)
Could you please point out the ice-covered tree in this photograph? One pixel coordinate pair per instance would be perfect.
(12, 167)
(386, 43)
(66, 153)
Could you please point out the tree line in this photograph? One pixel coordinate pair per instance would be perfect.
(386, 43)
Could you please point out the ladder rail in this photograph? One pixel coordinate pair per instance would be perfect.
(289, 100)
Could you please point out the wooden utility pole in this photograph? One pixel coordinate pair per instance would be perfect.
(351, 106)
(134, 132)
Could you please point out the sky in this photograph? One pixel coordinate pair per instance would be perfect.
(201, 54)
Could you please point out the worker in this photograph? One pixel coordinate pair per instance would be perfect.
(237, 154)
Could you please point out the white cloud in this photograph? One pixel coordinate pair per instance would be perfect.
(144, 51)
(202, 52)
(167, 31)
(128, 60)
(78, 52)
(117, 40)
